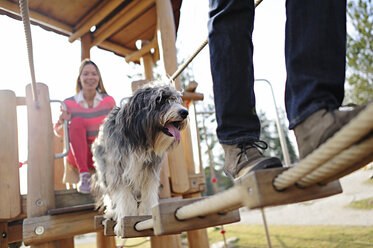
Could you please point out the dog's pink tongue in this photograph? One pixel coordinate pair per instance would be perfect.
(174, 131)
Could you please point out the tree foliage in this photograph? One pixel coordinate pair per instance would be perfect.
(360, 52)
(269, 134)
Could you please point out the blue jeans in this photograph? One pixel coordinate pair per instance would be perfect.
(315, 50)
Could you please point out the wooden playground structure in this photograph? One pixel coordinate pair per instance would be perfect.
(50, 216)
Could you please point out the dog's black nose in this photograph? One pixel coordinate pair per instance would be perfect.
(183, 113)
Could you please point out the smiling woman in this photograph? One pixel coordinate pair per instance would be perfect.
(85, 112)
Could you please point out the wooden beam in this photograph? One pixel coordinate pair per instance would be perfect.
(192, 96)
(115, 47)
(165, 221)
(37, 17)
(21, 101)
(124, 17)
(54, 227)
(93, 18)
(135, 56)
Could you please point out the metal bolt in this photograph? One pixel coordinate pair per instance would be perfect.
(39, 203)
(3, 235)
(250, 190)
(39, 230)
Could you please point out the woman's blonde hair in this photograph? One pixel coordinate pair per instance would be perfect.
(100, 87)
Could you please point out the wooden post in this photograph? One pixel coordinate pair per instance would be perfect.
(3, 235)
(40, 176)
(10, 203)
(166, 38)
(103, 241)
(147, 62)
(86, 44)
(197, 238)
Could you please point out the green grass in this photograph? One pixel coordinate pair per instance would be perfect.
(250, 236)
(369, 181)
(365, 204)
(253, 236)
(296, 236)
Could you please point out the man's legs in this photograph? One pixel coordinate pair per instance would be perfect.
(315, 51)
(231, 57)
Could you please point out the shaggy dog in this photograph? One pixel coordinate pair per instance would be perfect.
(129, 150)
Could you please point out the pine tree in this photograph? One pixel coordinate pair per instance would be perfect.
(360, 52)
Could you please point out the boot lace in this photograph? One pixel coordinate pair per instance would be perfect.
(251, 144)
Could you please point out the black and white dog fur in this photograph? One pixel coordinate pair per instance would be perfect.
(129, 150)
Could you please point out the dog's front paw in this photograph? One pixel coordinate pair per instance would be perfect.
(118, 228)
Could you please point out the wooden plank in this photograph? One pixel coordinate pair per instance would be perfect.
(125, 16)
(37, 17)
(71, 209)
(93, 18)
(165, 221)
(10, 203)
(54, 227)
(63, 198)
(258, 190)
(128, 227)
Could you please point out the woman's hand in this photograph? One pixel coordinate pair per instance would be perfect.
(65, 115)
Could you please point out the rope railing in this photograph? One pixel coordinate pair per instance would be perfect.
(339, 163)
(348, 135)
(23, 5)
(213, 204)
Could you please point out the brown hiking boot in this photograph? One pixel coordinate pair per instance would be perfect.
(320, 126)
(243, 158)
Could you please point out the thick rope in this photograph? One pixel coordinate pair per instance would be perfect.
(23, 5)
(339, 163)
(187, 62)
(213, 204)
(351, 133)
(144, 225)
